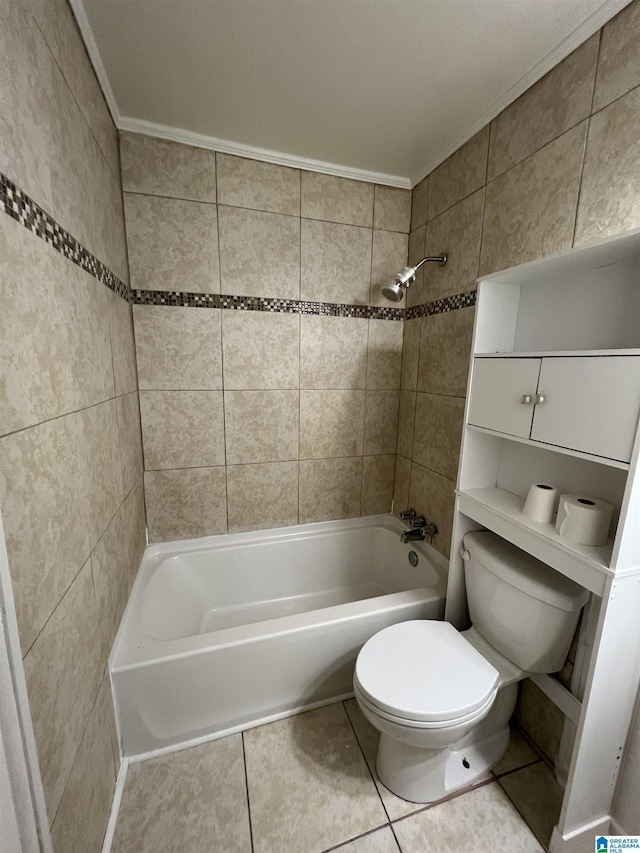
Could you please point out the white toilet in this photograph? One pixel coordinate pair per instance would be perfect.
(442, 699)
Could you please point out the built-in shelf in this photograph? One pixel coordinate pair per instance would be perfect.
(567, 451)
(587, 353)
(501, 512)
(581, 305)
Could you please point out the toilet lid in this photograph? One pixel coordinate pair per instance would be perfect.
(424, 670)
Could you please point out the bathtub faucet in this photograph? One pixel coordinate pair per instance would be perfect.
(420, 528)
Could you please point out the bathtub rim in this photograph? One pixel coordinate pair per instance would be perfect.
(143, 650)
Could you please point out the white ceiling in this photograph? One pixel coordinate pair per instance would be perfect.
(378, 89)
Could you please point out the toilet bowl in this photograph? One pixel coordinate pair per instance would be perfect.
(442, 699)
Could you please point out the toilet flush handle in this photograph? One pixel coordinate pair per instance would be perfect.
(466, 556)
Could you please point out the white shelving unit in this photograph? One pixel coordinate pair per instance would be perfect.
(554, 397)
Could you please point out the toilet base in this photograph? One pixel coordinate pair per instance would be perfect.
(427, 775)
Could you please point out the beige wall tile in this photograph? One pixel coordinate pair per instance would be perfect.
(173, 244)
(378, 474)
(160, 167)
(129, 440)
(381, 422)
(333, 352)
(102, 471)
(38, 500)
(182, 429)
(519, 754)
(458, 232)
(392, 209)
(438, 432)
(84, 810)
(401, 484)
(262, 496)
(188, 801)
(331, 423)
(259, 253)
(610, 192)
(260, 350)
(540, 195)
(419, 197)
(384, 357)
(309, 766)
(406, 421)
(445, 347)
(410, 354)
(178, 348)
(58, 366)
(259, 186)
(337, 199)
(329, 488)
(557, 102)
(261, 426)
(336, 263)
(485, 815)
(185, 503)
(47, 147)
(63, 672)
(433, 496)
(389, 257)
(58, 26)
(415, 293)
(618, 63)
(114, 564)
(537, 715)
(122, 344)
(460, 175)
(26, 146)
(87, 198)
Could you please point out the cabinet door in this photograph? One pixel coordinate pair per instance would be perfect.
(591, 404)
(497, 388)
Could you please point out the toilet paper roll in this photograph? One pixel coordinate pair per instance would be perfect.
(541, 502)
(583, 520)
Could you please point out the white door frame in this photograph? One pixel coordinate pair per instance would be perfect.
(23, 813)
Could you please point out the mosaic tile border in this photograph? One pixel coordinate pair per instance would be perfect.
(265, 304)
(442, 306)
(19, 206)
(24, 210)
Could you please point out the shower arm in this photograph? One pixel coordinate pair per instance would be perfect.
(440, 259)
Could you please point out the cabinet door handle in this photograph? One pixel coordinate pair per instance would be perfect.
(526, 399)
(540, 398)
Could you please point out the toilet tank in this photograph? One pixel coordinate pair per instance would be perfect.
(522, 607)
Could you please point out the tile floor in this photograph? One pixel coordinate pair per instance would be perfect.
(307, 784)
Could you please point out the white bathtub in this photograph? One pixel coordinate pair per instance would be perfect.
(225, 632)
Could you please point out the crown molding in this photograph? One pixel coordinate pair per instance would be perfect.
(96, 60)
(607, 10)
(585, 30)
(225, 146)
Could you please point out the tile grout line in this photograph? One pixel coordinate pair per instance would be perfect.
(246, 787)
(222, 382)
(364, 758)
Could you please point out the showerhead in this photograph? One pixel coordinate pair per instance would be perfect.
(394, 291)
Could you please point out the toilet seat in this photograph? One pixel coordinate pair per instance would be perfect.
(420, 724)
(424, 673)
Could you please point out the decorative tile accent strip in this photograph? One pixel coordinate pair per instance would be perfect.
(24, 210)
(260, 303)
(441, 306)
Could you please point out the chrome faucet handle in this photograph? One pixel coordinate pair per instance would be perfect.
(420, 521)
(408, 514)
